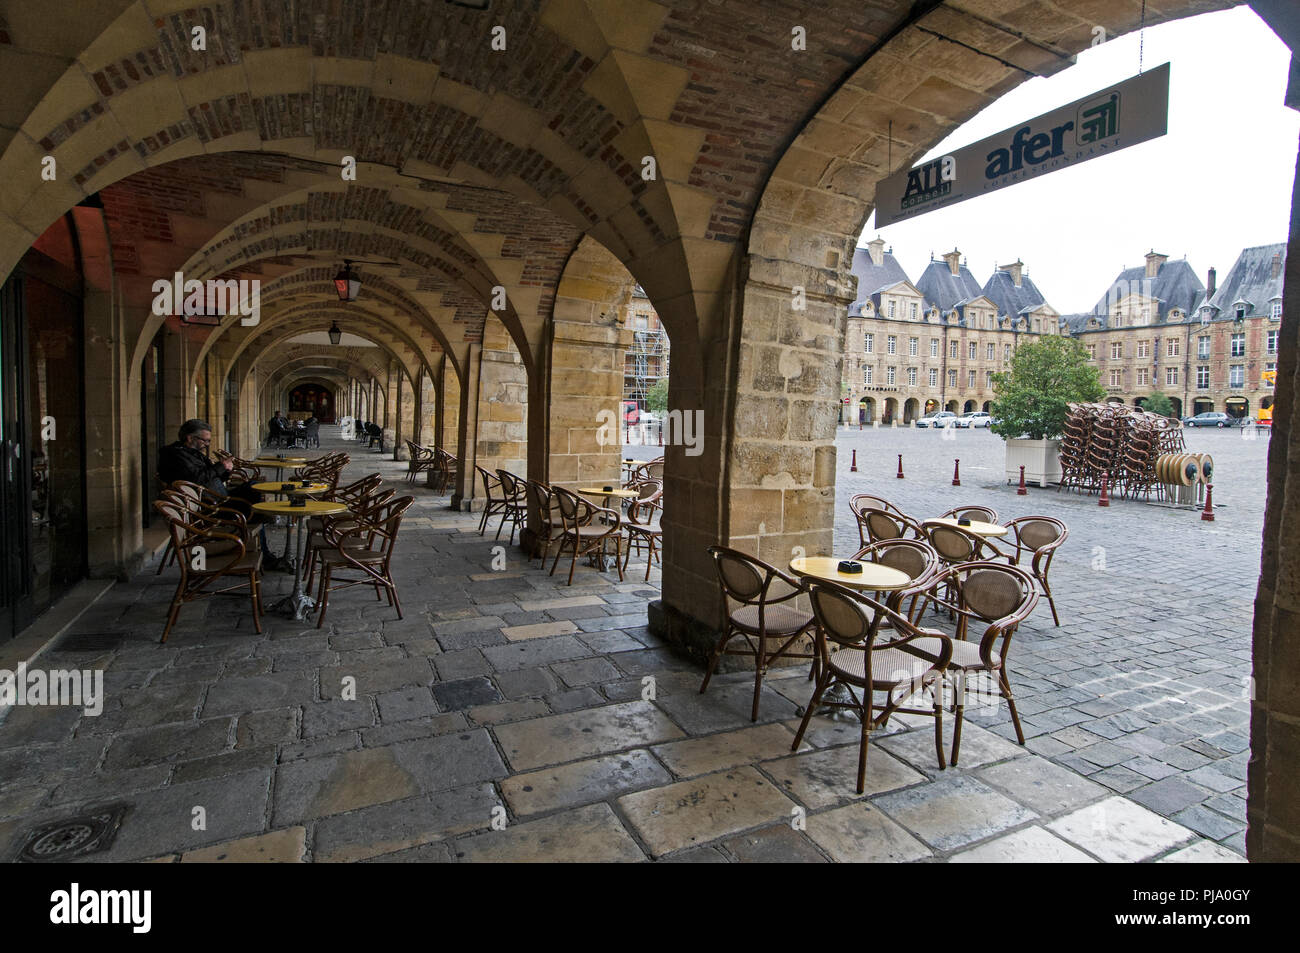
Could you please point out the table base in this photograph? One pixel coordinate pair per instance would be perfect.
(295, 605)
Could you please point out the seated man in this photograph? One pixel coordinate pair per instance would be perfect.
(275, 428)
(187, 459)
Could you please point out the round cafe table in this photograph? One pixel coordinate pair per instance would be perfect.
(977, 527)
(298, 602)
(279, 463)
(874, 577)
(279, 487)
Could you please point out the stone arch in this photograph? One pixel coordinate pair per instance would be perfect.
(866, 410)
(910, 407)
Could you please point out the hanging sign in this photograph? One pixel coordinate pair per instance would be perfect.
(1114, 118)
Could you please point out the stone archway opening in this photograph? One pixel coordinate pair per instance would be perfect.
(910, 410)
(866, 410)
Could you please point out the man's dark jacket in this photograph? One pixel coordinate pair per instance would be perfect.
(179, 462)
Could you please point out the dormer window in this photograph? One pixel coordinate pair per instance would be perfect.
(1205, 316)
(1275, 311)
(1241, 312)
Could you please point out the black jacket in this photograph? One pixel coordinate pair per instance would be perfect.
(179, 462)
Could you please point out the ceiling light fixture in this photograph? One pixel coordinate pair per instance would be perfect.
(346, 283)
(335, 333)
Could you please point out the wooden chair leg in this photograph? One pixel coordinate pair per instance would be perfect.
(760, 664)
(324, 598)
(397, 603)
(1011, 704)
(713, 661)
(823, 682)
(252, 592)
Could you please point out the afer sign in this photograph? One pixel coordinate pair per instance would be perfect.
(1114, 118)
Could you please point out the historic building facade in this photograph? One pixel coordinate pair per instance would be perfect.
(1158, 329)
(913, 349)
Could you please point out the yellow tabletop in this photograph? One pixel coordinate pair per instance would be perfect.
(873, 576)
(616, 491)
(976, 526)
(313, 508)
(277, 486)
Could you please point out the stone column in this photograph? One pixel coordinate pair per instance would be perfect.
(467, 481)
(408, 412)
(1273, 805)
(503, 398)
(586, 389)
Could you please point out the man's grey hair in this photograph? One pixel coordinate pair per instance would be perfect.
(193, 426)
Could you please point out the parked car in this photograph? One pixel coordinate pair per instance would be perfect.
(977, 418)
(648, 418)
(940, 419)
(1211, 418)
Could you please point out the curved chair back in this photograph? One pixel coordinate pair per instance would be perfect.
(985, 514)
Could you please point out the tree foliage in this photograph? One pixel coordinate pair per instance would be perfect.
(1031, 399)
(656, 397)
(1158, 403)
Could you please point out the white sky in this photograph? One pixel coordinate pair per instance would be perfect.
(1218, 182)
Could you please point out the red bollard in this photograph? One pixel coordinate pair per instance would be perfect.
(660, 426)
(1208, 513)
(1104, 500)
(1020, 490)
(956, 473)
(900, 466)
(854, 467)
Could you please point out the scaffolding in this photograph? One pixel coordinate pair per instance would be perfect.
(645, 363)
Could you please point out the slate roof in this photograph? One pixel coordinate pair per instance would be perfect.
(1251, 280)
(1002, 291)
(1175, 285)
(873, 278)
(945, 290)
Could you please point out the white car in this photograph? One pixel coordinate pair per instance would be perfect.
(976, 419)
(941, 420)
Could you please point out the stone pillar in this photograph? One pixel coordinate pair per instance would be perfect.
(586, 389)
(112, 433)
(1273, 805)
(408, 412)
(467, 481)
(450, 403)
(503, 399)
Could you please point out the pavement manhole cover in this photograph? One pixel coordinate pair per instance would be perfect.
(74, 836)
(89, 642)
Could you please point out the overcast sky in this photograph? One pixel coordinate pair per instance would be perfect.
(1219, 181)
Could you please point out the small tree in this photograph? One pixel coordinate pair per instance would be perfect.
(1158, 403)
(1046, 375)
(656, 397)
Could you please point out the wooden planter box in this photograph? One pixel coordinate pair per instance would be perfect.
(1040, 458)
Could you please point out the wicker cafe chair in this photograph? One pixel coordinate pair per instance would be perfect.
(761, 616)
(911, 556)
(1001, 597)
(587, 529)
(912, 660)
(877, 525)
(206, 554)
(861, 502)
(984, 514)
(365, 549)
(422, 460)
(321, 535)
(493, 500)
(1042, 536)
(549, 526)
(643, 528)
(444, 470)
(516, 503)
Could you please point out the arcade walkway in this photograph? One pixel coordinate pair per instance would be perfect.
(510, 717)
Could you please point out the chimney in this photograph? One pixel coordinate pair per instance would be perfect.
(953, 258)
(1277, 266)
(1016, 270)
(1154, 261)
(877, 250)
(1211, 284)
